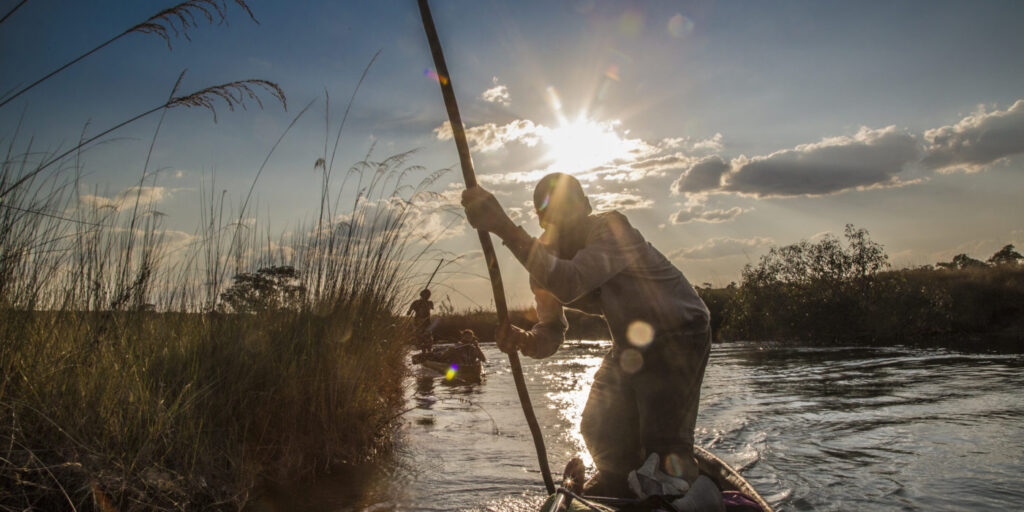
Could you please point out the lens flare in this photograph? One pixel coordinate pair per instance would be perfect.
(452, 372)
(674, 465)
(640, 333)
(631, 360)
(612, 72)
(431, 74)
(679, 26)
(554, 98)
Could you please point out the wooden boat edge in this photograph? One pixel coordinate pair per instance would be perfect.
(725, 477)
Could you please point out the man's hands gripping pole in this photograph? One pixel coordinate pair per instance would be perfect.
(484, 212)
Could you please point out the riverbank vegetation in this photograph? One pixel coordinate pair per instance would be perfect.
(143, 368)
(840, 290)
(828, 291)
(133, 379)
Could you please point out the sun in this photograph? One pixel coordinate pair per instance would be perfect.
(584, 144)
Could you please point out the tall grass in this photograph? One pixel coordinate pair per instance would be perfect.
(124, 388)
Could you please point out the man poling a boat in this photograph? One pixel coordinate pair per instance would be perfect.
(421, 309)
(645, 395)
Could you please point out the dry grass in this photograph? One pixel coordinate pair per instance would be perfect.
(119, 385)
(124, 385)
(178, 20)
(167, 24)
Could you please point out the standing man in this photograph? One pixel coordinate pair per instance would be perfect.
(421, 308)
(645, 395)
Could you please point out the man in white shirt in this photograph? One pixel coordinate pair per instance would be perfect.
(645, 395)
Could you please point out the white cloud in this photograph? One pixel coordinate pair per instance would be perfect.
(870, 158)
(721, 246)
(491, 137)
(698, 214)
(977, 140)
(497, 94)
(696, 210)
(712, 144)
(625, 200)
(145, 195)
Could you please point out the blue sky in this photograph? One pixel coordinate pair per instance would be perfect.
(719, 128)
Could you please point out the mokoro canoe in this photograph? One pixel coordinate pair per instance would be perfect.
(455, 372)
(727, 479)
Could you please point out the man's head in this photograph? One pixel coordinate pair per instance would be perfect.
(560, 201)
(425, 294)
(468, 336)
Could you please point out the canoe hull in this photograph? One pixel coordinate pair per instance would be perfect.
(724, 476)
(461, 373)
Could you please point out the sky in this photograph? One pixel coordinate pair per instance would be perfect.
(718, 128)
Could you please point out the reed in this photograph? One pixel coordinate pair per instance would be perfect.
(121, 386)
(169, 23)
(127, 382)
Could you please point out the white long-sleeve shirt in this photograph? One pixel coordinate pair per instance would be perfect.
(617, 274)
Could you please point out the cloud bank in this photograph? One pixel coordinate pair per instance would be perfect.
(702, 176)
(976, 141)
(869, 158)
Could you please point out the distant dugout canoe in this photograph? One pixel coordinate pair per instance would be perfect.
(469, 373)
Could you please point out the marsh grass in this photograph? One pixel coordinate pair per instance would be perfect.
(125, 382)
(125, 387)
(167, 24)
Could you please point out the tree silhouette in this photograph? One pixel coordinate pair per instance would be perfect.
(268, 289)
(1006, 256)
(962, 261)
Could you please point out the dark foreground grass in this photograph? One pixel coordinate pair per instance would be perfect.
(126, 385)
(172, 411)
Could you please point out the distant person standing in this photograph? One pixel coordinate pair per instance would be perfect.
(421, 309)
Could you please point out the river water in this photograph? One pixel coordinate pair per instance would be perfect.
(813, 428)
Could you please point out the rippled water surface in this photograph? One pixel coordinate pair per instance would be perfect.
(837, 428)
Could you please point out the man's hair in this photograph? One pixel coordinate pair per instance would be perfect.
(560, 187)
(425, 294)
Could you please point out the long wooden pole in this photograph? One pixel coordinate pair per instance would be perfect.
(469, 176)
(431, 280)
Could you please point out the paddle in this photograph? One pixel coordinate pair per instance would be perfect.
(444, 79)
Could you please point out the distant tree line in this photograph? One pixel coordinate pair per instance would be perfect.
(828, 290)
(836, 290)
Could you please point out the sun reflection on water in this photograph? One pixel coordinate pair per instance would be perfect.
(573, 387)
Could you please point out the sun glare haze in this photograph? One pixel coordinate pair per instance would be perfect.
(238, 254)
(583, 144)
